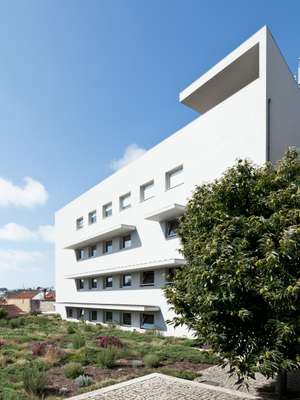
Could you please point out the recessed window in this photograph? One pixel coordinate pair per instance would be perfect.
(80, 313)
(93, 251)
(125, 201)
(93, 283)
(170, 275)
(147, 191)
(69, 312)
(80, 254)
(171, 228)
(126, 280)
(126, 242)
(147, 321)
(92, 217)
(79, 223)
(147, 278)
(107, 246)
(93, 315)
(80, 284)
(126, 318)
(108, 316)
(107, 210)
(174, 177)
(108, 282)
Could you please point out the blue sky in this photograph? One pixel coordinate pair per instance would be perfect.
(80, 81)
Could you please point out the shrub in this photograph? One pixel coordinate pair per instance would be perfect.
(107, 358)
(78, 341)
(54, 355)
(16, 322)
(3, 313)
(73, 370)
(151, 360)
(83, 380)
(109, 341)
(183, 374)
(38, 349)
(70, 329)
(35, 378)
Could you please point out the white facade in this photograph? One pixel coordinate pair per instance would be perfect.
(250, 108)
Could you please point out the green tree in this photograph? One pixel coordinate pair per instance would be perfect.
(240, 289)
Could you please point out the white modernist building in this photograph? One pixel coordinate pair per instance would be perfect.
(116, 244)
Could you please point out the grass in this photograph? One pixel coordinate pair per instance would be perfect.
(68, 342)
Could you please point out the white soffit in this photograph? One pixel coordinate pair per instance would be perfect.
(166, 213)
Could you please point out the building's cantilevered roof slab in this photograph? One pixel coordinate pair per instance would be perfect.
(166, 213)
(108, 233)
(223, 80)
(122, 307)
(171, 262)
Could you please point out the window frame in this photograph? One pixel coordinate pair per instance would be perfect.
(128, 314)
(168, 223)
(94, 246)
(79, 313)
(105, 251)
(122, 282)
(142, 324)
(69, 312)
(78, 284)
(142, 279)
(169, 174)
(142, 190)
(105, 280)
(91, 281)
(123, 240)
(79, 225)
(107, 321)
(121, 198)
(78, 252)
(104, 210)
(90, 217)
(91, 315)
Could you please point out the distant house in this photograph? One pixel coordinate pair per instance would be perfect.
(47, 303)
(28, 301)
(11, 310)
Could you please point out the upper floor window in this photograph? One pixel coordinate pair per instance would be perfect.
(125, 201)
(126, 280)
(107, 210)
(93, 283)
(79, 223)
(126, 242)
(108, 282)
(92, 217)
(80, 284)
(93, 251)
(147, 191)
(171, 228)
(174, 177)
(80, 254)
(147, 278)
(107, 246)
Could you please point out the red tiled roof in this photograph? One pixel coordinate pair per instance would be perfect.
(12, 310)
(24, 295)
(50, 296)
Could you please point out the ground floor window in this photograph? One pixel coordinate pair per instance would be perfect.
(108, 316)
(93, 315)
(69, 312)
(80, 313)
(147, 321)
(126, 318)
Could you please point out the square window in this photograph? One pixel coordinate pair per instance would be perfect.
(147, 278)
(69, 312)
(147, 321)
(126, 242)
(147, 191)
(171, 228)
(126, 319)
(108, 316)
(107, 210)
(80, 313)
(174, 177)
(80, 284)
(93, 315)
(125, 201)
(80, 254)
(92, 217)
(93, 283)
(108, 282)
(79, 223)
(126, 280)
(93, 251)
(107, 246)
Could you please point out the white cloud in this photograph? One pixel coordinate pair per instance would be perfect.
(17, 233)
(131, 153)
(15, 260)
(31, 194)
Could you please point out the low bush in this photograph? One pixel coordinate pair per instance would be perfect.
(16, 322)
(71, 329)
(107, 358)
(54, 355)
(183, 374)
(34, 378)
(109, 341)
(3, 313)
(83, 380)
(151, 360)
(73, 370)
(78, 341)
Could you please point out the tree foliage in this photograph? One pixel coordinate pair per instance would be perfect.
(240, 289)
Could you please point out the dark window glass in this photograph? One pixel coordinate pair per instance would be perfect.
(80, 284)
(93, 315)
(147, 321)
(171, 272)
(126, 319)
(69, 312)
(79, 313)
(107, 246)
(107, 210)
(80, 254)
(92, 217)
(147, 278)
(108, 281)
(93, 283)
(79, 223)
(126, 280)
(108, 316)
(126, 242)
(93, 251)
(171, 228)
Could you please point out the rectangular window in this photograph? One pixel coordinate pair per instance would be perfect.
(125, 201)
(79, 223)
(93, 283)
(147, 321)
(170, 275)
(93, 315)
(125, 242)
(174, 177)
(92, 217)
(80, 313)
(108, 282)
(80, 254)
(93, 251)
(147, 191)
(80, 284)
(69, 312)
(126, 318)
(126, 280)
(108, 316)
(107, 210)
(147, 278)
(171, 228)
(107, 246)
